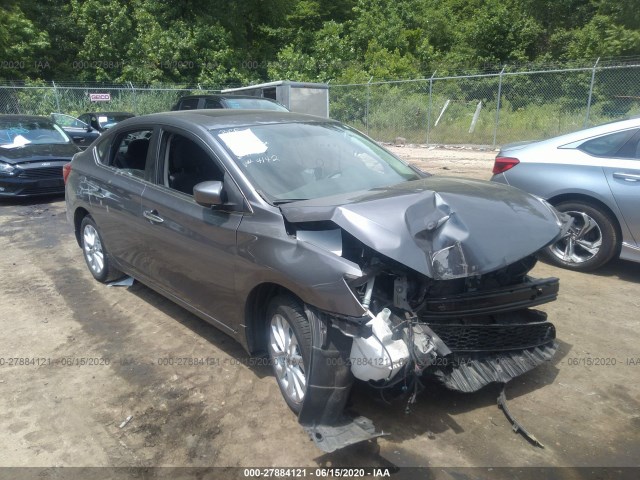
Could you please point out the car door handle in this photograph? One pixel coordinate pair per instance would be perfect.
(152, 216)
(629, 177)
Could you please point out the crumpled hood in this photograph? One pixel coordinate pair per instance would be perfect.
(439, 226)
(38, 152)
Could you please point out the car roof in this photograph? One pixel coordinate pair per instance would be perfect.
(27, 118)
(573, 137)
(603, 129)
(223, 118)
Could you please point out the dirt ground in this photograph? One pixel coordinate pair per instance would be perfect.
(78, 358)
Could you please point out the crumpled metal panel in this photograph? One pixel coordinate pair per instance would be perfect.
(472, 375)
(334, 437)
(442, 227)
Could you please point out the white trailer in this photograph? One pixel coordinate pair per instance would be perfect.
(301, 97)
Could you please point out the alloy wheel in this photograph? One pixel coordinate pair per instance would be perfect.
(93, 249)
(582, 242)
(287, 357)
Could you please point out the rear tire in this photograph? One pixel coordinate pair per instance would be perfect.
(95, 254)
(288, 336)
(592, 241)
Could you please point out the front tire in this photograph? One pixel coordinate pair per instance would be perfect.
(289, 344)
(592, 241)
(95, 254)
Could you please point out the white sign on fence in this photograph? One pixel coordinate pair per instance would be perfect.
(100, 97)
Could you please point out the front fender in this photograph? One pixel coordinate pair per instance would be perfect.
(315, 275)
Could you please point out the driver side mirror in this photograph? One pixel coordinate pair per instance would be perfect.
(209, 193)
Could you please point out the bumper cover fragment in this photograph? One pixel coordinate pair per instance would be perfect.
(471, 374)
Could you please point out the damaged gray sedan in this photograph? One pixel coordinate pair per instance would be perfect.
(308, 242)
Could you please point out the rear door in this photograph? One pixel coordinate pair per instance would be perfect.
(190, 250)
(125, 168)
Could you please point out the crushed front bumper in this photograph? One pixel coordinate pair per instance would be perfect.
(479, 338)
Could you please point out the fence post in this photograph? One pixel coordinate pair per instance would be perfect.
(135, 103)
(444, 109)
(495, 127)
(430, 103)
(593, 78)
(476, 114)
(55, 94)
(366, 112)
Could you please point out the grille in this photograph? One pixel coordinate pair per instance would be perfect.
(491, 338)
(42, 190)
(44, 172)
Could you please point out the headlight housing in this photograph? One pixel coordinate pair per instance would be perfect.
(7, 169)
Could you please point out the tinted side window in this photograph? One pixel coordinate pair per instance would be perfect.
(618, 144)
(211, 103)
(130, 151)
(187, 164)
(188, 104)
(631, 149)
(270, 93)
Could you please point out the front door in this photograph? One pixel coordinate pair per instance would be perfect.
(190, 249)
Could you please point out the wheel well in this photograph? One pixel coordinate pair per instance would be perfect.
(570, 197)
(255, 314)
(78, 216)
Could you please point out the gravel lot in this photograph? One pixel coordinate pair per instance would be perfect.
(78, 358)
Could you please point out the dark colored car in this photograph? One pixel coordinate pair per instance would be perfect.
(32, 152)
(101, 121)
(242, 102)
(80, 132)
(307, 241)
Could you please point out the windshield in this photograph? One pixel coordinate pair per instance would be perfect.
(17, 133)
(254, 103)
(300, 161)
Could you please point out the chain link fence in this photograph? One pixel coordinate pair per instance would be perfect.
(489, 109)
(43, 99)
(484, 109)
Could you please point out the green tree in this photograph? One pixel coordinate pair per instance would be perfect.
(22, 44)
(220, 42)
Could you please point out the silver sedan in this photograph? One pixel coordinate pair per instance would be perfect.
(594, 176)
